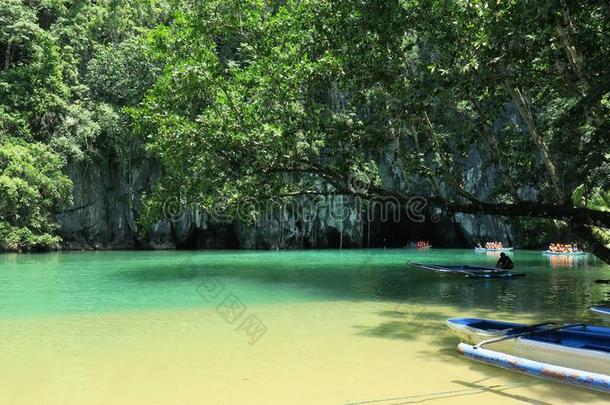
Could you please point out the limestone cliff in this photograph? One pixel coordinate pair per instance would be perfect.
(107, 204)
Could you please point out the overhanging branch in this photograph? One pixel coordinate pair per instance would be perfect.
(567, 213)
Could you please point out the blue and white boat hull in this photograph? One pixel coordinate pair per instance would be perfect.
(564, 375)
(585, 349)
(552, 253)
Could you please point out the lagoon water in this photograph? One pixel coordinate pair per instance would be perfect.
(288, 327)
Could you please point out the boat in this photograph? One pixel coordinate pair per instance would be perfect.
(603, 311)
(468, 270)
(458, 268)
(497, 274)
(413, 245)
(551, 253)
(579, 347)
(563, 375)
(482, 249)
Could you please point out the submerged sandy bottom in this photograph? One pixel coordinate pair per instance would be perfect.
(341, 352)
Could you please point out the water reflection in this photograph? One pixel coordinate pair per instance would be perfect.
(99, 282)
(566, 261)
(495, 254)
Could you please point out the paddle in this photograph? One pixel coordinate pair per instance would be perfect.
(527, 328)
(502, 338)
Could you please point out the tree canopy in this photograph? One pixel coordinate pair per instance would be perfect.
(253, 91)
(245, 99)
(60, 100)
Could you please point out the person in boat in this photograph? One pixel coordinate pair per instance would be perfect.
(504, 262)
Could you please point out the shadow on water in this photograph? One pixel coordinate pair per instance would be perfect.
(406, 325)
(423, 301)
(563, 294)
(165, 275)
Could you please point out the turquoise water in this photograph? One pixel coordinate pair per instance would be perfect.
(355, 326)
(103, 282)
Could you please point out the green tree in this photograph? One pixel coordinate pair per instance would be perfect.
(67, 69)
(262, 99)
(32, 186)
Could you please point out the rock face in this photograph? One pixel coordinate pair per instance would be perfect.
(107, 205)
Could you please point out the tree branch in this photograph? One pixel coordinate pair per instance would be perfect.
(525, 111)
(594, 245)
(568, 213)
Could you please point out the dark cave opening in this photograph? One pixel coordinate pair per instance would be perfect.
(395, 231)
(380, 230)
(216, 236)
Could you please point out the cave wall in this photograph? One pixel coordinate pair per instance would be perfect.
(107, 204)
(108, 192)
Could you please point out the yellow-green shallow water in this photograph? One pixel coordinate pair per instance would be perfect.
(318, 327)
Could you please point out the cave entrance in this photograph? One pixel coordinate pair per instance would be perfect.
(395, 230)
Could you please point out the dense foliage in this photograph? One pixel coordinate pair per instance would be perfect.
(328, 90)
(67, 69)
(323, 86)
(31, 185)
(242, 99)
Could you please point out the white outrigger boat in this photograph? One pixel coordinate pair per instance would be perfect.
(552, 253)
(482, 249)
(467, 270)
(575, 354)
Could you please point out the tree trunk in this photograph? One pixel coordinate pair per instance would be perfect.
(583, 216)
(7, 55)
(574, 56)
(568, 213)
(526, 114)
(593, 244)
(494, 149)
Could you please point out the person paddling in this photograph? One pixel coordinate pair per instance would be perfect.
(504, 262)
